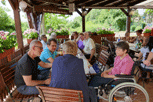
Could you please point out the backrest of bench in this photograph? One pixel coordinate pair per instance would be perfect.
(104, 48)
(103, 57)
(58, 94)
(3, 90)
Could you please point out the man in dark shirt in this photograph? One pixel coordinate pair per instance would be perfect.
(26, 70)
(68, 71)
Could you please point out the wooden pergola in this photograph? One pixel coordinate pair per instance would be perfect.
(36, 8)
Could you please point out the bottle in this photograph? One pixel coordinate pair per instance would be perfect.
(118, 39)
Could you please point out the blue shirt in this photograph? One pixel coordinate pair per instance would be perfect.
(68, 73)
(45, 55)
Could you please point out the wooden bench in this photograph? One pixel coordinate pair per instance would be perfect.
(7, 73)
(102, 59)
(50, 94)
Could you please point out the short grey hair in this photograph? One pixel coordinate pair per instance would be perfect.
(34, 42)
(53, 35)
(70, 47)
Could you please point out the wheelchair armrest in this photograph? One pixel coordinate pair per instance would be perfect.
(124, 76)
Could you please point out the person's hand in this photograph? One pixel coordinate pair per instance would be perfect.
(146, 62)
(103, 73)
(89, 59)
(47, 81)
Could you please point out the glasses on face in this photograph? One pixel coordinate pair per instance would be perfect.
(39, 47)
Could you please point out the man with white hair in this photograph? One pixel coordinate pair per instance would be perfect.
(26, 70)
(43, 41)
(89, 48)
(68, 71)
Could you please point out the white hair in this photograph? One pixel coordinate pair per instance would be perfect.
(70, 47)
(53, 35)
(34, 42)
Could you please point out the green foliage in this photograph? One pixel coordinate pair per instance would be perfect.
(104, 31)
(133, 27)
(147, 31)
(7, 23)
(138, 28)
(54, 21)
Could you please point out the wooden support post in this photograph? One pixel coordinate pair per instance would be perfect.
(18, 27)
(128, 21)
(83, 23)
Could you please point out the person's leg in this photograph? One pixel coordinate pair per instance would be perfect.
(97, 81)
(28, 90)
(92, 94)
(44, 74)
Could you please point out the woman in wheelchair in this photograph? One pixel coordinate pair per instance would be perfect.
(144, 51)
(122, 65)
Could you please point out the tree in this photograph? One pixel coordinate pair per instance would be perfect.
(7, 23)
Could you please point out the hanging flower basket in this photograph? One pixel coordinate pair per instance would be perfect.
(62, 36)
(146, 34)
(7, 53)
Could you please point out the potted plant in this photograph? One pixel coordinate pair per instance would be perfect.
(7, 44)
(104, 32)
(147, 31)
(62, 33)
(30, 34)
(50, 31)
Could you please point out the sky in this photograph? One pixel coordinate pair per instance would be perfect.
(24, 19)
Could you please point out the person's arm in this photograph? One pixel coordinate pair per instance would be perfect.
(92, 54)
(131, 41)
(45, 65)
(139, 55)
(50, 59)
(29, 82)
(106, 72)
(150, 56)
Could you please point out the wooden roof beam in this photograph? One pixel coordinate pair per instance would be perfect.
(51, 9)
(104, 3)
(12, 4)
(136, 2)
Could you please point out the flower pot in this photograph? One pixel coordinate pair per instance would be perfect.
(29, 40)
(146, 34)
(7, 53)
(105, 35)
(62, 36)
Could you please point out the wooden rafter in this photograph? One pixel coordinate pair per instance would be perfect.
(123, 10)
(12, 4)
(51, 2)
(78, 12)
(136, 2)
(50, 9)
(104, 3)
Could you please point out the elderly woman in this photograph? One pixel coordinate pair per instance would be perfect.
(68, 71)
(89, 48)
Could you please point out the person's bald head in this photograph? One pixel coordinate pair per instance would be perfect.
(36, 47)
(34, 42)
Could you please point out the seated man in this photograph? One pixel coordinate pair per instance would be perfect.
(53, 36)
(89, 48)
(123, 65)
(26, 73)
(47, 56)
(43, 41)
(68, 71)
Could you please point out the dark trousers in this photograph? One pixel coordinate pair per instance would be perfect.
(92, 60)
(97, 80)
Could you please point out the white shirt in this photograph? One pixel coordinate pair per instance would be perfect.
(89, 45)
(44, 44)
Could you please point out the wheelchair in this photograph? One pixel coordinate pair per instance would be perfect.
(123, 89)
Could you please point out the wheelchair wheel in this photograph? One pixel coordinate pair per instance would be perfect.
(128, 92)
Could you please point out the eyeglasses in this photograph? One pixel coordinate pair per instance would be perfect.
(39, 47)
